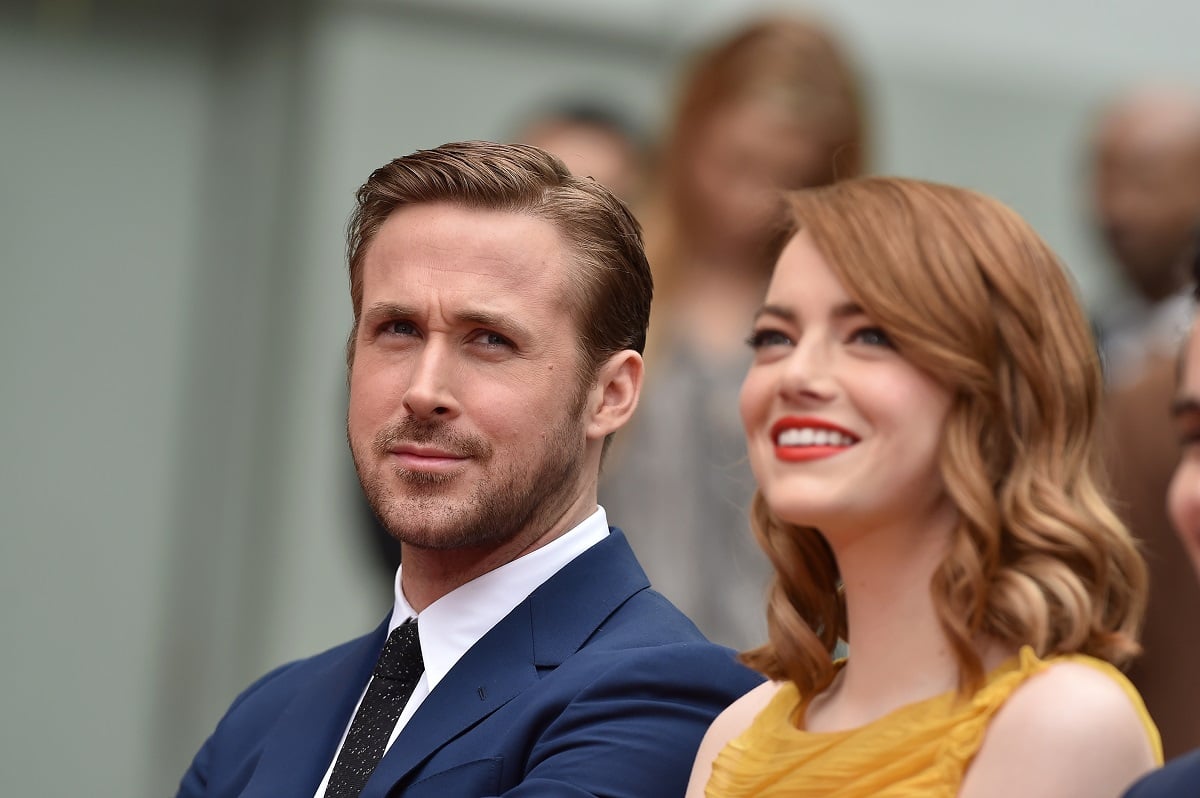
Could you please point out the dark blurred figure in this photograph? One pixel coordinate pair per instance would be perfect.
(594, 141)
(1181, 777)
(775, 105)
(1147, 203)
(1147, 207)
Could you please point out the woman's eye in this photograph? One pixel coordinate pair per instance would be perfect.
(760, 339)
(872, 336)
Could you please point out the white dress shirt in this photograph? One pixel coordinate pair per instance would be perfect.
(451, 625)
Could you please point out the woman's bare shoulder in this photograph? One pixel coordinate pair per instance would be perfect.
(736, 718)
(1071, 730)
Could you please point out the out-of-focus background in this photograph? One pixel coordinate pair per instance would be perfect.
(177, 506)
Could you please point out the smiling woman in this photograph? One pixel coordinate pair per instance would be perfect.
(827, 388)
(920, 417)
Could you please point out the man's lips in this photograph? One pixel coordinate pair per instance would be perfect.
(416, 457)
(802, 438)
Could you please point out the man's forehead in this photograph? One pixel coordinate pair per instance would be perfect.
(449, 237)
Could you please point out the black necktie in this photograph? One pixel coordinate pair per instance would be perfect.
(396, 674)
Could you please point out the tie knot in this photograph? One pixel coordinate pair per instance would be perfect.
(401, 656)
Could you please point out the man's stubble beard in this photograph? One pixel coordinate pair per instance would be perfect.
(524, 498)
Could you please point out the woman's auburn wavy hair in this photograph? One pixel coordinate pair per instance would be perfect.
(970, 294)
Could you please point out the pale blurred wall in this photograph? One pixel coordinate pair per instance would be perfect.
(176, 507)
(101, 175)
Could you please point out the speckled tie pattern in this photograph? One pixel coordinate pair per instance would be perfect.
(396, 674)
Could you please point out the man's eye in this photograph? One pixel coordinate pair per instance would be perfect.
(399, 328)
(492, 339)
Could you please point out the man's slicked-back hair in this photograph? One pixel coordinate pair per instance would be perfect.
(609, 282)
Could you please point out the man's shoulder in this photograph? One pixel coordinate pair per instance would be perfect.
(625, 620)
(267, 695)
(232, 751)
(650, 616)
(1179, 777)
(648, 639)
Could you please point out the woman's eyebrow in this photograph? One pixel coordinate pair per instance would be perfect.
(841, 311)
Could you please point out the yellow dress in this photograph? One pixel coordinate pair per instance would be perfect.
(919, 749)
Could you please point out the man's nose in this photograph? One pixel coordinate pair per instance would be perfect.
(430, 392)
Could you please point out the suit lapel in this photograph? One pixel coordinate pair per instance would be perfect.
(303, 741)
(571, 606)
(542, 631)
(491, 673)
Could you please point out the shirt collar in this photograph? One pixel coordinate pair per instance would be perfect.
(455, 622)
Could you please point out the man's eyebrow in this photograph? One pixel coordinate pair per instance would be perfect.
(493, 321)
(841, 311)
(484, 318)
(387, 310)
(1185, 405)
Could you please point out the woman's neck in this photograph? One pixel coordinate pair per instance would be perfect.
(899, 653)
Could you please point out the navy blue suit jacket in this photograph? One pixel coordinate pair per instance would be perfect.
(1179, 778)
(595, 685)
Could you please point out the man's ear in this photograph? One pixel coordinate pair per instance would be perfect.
(614, 396)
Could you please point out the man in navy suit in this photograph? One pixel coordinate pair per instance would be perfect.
(500, 311)
(1180, 778)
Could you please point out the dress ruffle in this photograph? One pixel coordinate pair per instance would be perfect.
(922, 749)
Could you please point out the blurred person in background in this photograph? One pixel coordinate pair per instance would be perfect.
(1181, 777)
(500, 307)
(921, 418)
(594, 140)
(1147, 205)
(774, 105)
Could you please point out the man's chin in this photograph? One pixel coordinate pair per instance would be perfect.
(443, 540)
(423, 479)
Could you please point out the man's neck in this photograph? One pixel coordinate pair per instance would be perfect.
(429, 574)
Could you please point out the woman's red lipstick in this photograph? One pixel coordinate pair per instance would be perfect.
(800, 439)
